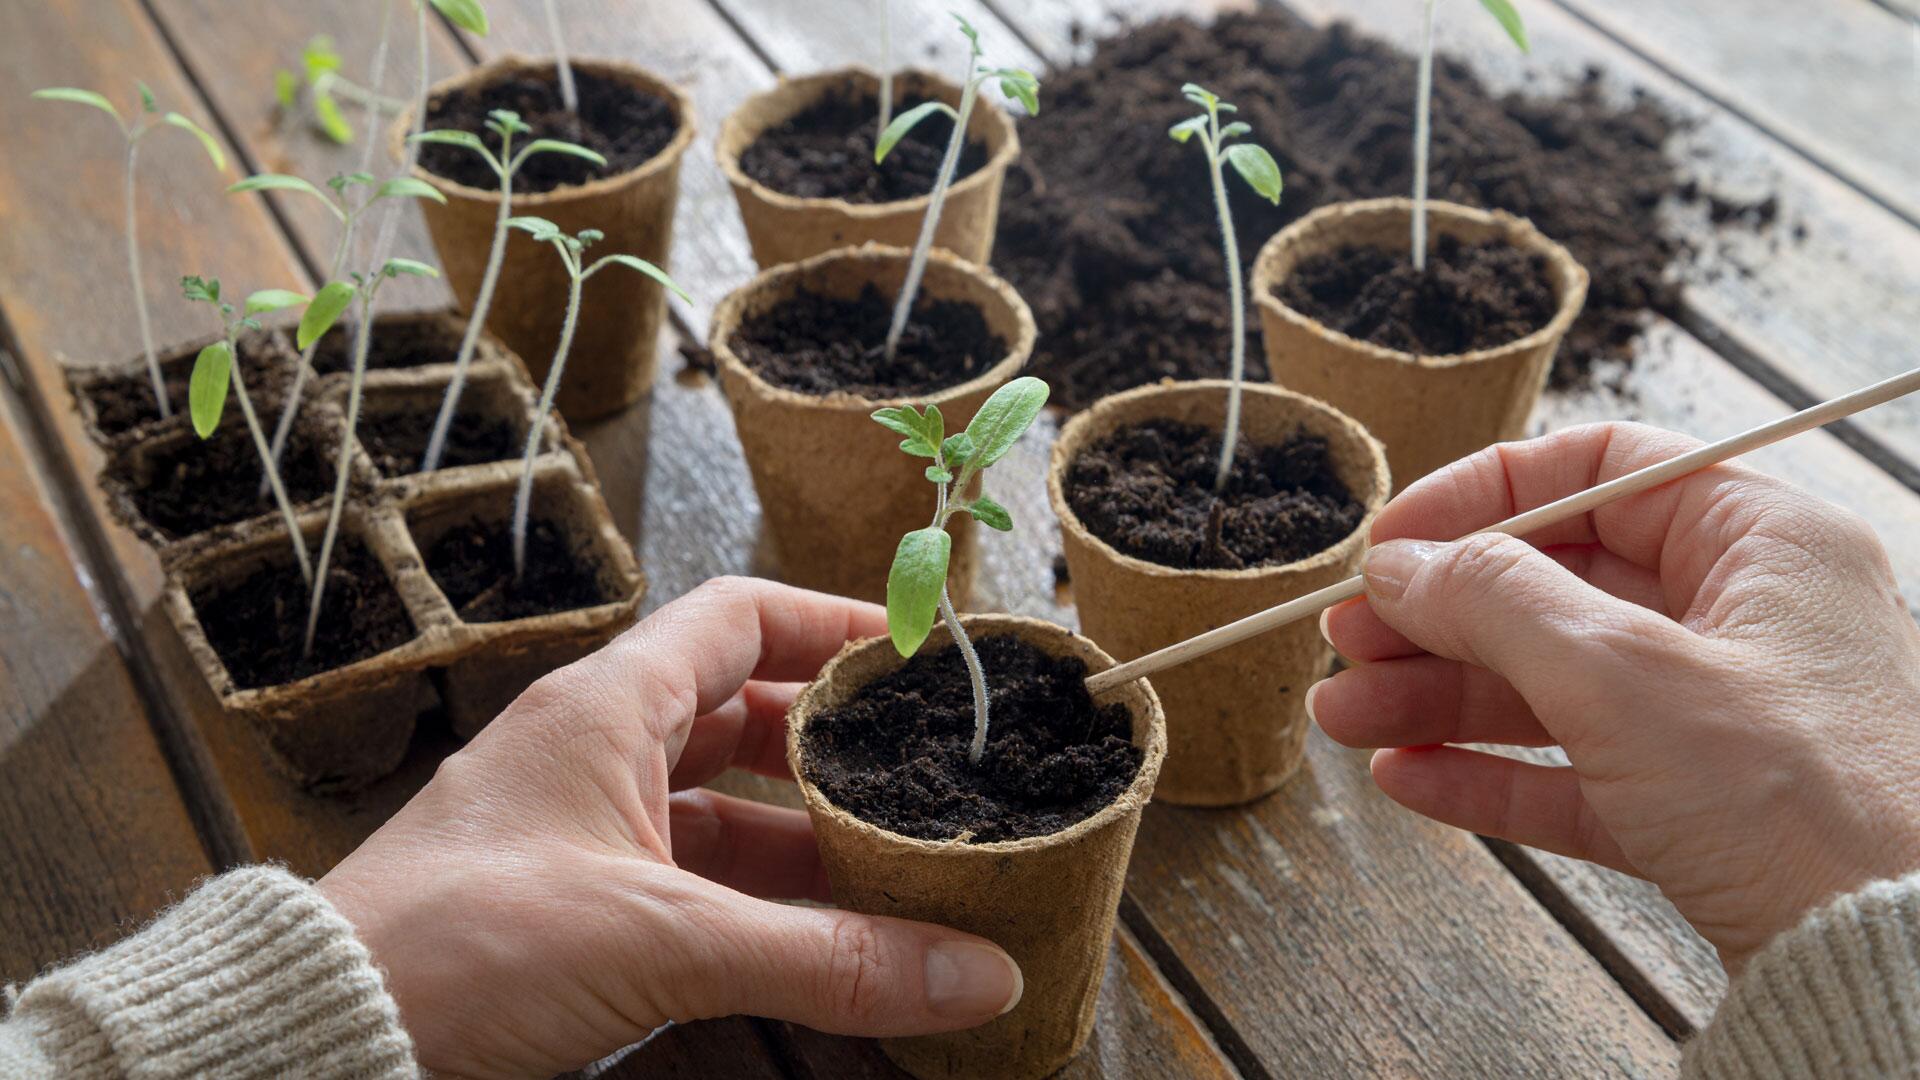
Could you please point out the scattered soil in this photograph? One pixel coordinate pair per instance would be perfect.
(1108, 232)
(473, 565)
(895, 754)
(122, 404)
(624, 124)
(826, 152)
(200, 485)
(1470, 297)
(257, 625)
(1147, 489)
(819, 344)
(397, 441)
(393, 345)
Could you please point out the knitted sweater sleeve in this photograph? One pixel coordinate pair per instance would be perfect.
(252, 975)
(1837, 996)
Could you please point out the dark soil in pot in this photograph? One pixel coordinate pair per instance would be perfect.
(258, 623)
(473, 564)
(895, 754)
(125, 403)
(393, 345)
(1147, 489)
(818, 344)
(203, 484)
(1469, 297)
(1106, 229)
(826, 152)
(397, 441)
(624, 124)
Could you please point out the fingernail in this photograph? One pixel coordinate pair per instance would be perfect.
(1312, 690)
(966, 980)
(1327, 637)
(1390, 566)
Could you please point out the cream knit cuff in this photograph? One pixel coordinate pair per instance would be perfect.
(252, 975)
(1837, 996)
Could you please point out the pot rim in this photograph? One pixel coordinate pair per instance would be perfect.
(665, 160)
(733, 129)
(1138, 694)
(1077, 431)
(727, 314)
(1570, 282)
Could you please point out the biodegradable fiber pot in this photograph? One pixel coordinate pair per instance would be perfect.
(1427, 410)
(1049, 901)
(612, 360)
(835, 491)
(785, 228)
(1236, 718)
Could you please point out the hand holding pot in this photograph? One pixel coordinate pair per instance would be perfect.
(1725, 660)
(545, 900)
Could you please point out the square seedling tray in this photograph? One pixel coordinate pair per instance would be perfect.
(423, 611)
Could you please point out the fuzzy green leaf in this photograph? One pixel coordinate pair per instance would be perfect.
(957, 449)
(632, 262)
(465, 14)
(207, 389)
(328, 303)
(905, 421)
(320, 57)
(1238, 127)
(1509, 20)
(967, 29)
(273, 300)
(407, 187)
(1004, 418)
(412, 267)
(205, 290)
(906, 122)
(1022, 87)
(991, 514)
(914, 585)
(939, 475)
(1257, 168)
(207, 142)
(286, 88)
(555, 146)
(537, 227)
(465, 139)
(503, 121)
(79, 97)
(1199, 95)
(283, 182)
(333, 123)
(146, 97)
(1188, 128)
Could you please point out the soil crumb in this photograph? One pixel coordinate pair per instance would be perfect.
(825, 151)
(473, 565)
(258, 624)
(622, 123)
(817, 344)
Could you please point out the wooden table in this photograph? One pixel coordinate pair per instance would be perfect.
(1320, 931)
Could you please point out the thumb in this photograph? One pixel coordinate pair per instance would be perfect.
(852, 974)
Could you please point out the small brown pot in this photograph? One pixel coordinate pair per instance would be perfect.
(612, 360)
(835, 491)
(1049, 901)
(1236, 718)
(786, 228)
(1428, 410)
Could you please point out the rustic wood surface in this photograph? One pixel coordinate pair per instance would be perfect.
(1321, 931)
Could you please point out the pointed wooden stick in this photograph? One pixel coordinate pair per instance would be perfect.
(1520, 524)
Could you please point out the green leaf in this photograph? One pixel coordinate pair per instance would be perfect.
(935, 429)
(320, 57)
(408, 187)
(411, 267)
(203, 289)
(1238, 127)
(1257, 168)
(465, 14)
(327, 112)
(1004, 418)
(914, 585)
(1022, 87)
(991, 514)
(1199, 95)
(907, 421)
(906, 122)
(939, 475)
(273, 300)
(589, 237)
(1509, 20)
(957, 449)
(79, 97)
(328, 303)
(207, 389)
(1188, 128)
(647, 268)
(283, 182)
(506, 120)
(286, 88)
(146, 97)
(555, 146)
(537, 227)
(967, 29)
(207, 142)
(453, 138)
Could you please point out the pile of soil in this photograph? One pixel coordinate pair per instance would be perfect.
(895, 754)
(1109, 233)
(473, 565)
(393, 345)
(397, 441)
(1470, 297)
(825, 151)
(1147, 489)
(202, 484)
(817, 344)
(257, 625)
(621, 122)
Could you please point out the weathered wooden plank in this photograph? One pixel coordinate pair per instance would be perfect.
(94, 836)
(1838, 88)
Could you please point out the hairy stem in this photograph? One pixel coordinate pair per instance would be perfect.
(917, 266)
(1422, 137)
(476, 321)
(390, 222)
(886, 65)
(290, 409)
(1238, 366)
(568, 95)
(139, 291)
(523, 496)
(362, 341)
(273, 472)
(972, 657)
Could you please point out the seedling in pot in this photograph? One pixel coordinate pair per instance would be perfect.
(570, 249)
(1258, 169)
(1015, 83)
(317, 88)
(150, 118)
(569, 96)
(1509, 19)
(218, 367)
(917, 583)
(506, 124)
(886, 64)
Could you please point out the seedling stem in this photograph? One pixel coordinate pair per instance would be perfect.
(1509, 19)
(569, 96)
(886, 64)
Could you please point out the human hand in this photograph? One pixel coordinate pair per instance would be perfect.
(1725, 660)
(545, 901)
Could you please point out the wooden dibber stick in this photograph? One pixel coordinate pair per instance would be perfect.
(1520, 524)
